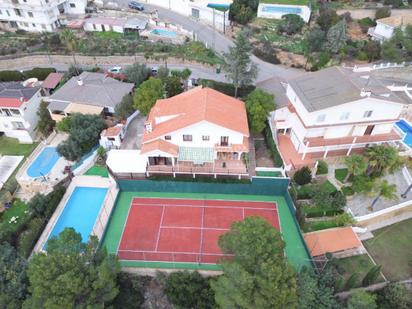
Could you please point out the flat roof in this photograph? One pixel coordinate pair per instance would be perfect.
(126, 161)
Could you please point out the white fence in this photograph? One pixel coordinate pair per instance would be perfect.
(380, 66)
(129, 120)
(382, 212)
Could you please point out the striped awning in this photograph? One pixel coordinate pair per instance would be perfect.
(197, 155)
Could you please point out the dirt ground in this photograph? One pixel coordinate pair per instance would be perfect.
(355, 32)
(291, 59)
(263, 158)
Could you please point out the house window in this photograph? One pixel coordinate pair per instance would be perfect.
(224, 141)
(17, 12)
(30, 14)
(112, 139)
(205, 137)
(321, 118)
(168, 138)
(94, 27)
(7, 112)
(367, 114)
(187, 138)
(15, 112)
(72, 5)
(17, 124)
(344, 116)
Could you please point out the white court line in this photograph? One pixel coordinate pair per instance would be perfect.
(193, 228)
(174, 252)
(160, 227)
(124, 227)
(199, 206)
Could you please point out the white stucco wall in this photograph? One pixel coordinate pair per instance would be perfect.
(263, 12)
(384, 30)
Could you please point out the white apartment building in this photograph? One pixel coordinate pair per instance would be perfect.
(38, 15)
(334, 112)
(214, 13)
(18, 110)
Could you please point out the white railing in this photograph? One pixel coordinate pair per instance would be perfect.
(380, 66)
(378, 213)
(129, 120)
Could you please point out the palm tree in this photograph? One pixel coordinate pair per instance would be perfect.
(382, 158)
(69, 39)
(356, 165)
(385, 190)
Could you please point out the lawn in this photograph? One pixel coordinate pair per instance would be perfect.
(359, 264)
(12, 147)
(312, 226)
(341, 173)
(391, 247)
(18, 209)
(268, 174)
(96, 170)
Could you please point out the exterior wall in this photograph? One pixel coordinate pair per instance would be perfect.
(110, 142)
(186, 7)
(99, 28)
(37, 15)
(204, 128)
(305, 11)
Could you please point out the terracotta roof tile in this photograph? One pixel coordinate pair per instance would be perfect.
(196, 105)
(160, 145)
(52, 80)
(331, 240)
(11, 102)
(112, 131)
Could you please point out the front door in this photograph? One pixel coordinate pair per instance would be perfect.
(369, 130)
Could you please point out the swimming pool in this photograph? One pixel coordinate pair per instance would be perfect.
(163, 32)
(44, 162)
(81, 211)
(406, 127)
(281, 10)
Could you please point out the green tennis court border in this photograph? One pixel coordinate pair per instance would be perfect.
(296, 250)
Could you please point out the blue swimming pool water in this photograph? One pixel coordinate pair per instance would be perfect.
(80, 211)
(44, 162)
(406, 128)
(281, 9)
(164, 32)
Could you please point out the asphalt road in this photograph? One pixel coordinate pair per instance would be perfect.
(217, 40)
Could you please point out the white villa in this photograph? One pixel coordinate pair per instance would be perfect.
(18, 110)
(276, 9)
(334, 112)
(385, 27)
(38, 15)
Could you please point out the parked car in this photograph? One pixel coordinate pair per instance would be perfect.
(117, 73)
(115, 70)
(154, 71)
(136, 6)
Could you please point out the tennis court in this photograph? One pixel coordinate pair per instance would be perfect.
(184, 230)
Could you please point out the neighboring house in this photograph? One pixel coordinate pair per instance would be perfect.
(38, 15)
(340, 241)
(112, 137)
(276, 9)
(334, 112)
(18, 110)
(214, 13)
(385, 27)
(201, 131)
(88, 93)
(51, 82)
(120, 25)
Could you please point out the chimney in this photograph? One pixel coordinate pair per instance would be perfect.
(80, 82)
(148, 126)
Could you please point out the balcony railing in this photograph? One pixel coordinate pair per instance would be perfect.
(197, 170)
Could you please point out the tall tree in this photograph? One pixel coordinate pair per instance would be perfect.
(356, 165)
(258, 105)
(382, 159)
(137, 73)
(72, 274)
(69, 39)
(147, 94)
(173, 86)
(362, 300)
(238, 65)
(336, 36)
(13, 278)
(45, 124)
(125, 108)
(384, 190)
(395, 296)
(258, 276)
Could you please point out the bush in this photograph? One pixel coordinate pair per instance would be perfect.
(348, 191)
(270, 144)
(28, 238)
(10, 76)
(290, 24)
(316, 211)
(39, 73)
(352, 281)
(131, 293)
(382, 12)
(303, 176)
(366, 23)
(371, 275)
(322, 168)
(227, 88)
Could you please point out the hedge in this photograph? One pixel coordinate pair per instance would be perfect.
(29, 237)
(270, 144)
(226, 88)
(316, 211)
(16, 76)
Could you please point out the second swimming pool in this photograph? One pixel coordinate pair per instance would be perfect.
(406, 128)
(81, 211)
(44, 162)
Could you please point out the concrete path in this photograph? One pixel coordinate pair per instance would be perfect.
(134, 133)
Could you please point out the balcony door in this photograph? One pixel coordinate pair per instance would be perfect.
(369, 130)
(224, 141)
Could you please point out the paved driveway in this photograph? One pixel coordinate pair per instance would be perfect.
(134, 133)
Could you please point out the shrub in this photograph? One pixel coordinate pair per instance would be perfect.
(382, 12)
(344, 219)
(352, 281)
(10, 76)
(39, 73)
(348, 191)
(371, 275)
(29, 237)
(303, 176)
(131, 294)
(270, 144)
(291, 24)
(322, 168)
(64, 124)
(227, 88)
(366, 23)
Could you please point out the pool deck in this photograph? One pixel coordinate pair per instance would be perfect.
(104, 213)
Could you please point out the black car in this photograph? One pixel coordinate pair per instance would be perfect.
(136, 6)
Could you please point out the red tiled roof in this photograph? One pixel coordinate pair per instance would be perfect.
(331, 240)
(196, 105)
(11, 102)
(112, 131)
(160, 145)
(52, 80)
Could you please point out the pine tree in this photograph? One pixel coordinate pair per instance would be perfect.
(336, 36)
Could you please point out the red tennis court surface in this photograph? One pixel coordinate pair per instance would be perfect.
(180, 230)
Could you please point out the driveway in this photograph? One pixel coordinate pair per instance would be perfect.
(134, 133)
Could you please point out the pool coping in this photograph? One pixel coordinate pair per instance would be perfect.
(79, 181)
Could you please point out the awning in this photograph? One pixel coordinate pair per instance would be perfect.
(219, 6)
(83, 109)
(197, 155)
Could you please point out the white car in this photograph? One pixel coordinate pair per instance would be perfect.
(115, 70)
